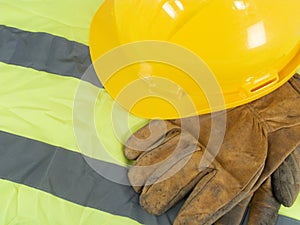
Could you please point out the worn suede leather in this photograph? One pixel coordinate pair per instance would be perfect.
(286, 179)
(264, 206)
(258, 137)
(282, 187)
(236, 215)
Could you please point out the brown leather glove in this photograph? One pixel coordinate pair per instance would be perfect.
(281, 188)
(286, 179)
(168, 163)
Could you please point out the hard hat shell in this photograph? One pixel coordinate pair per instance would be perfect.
(251, 47)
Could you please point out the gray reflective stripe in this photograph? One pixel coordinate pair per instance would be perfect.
(42, 51)
(66, 174)
(52, 169)
(281, 220)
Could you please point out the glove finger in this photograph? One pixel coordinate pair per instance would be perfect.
(281, 144)
(174, 179)
(236, 215)
(239, 164)
(150, 160)
(264, 207)
(211, 200)
(148, 137)
(286, 179)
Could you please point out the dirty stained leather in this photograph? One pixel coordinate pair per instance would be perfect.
(173, 161)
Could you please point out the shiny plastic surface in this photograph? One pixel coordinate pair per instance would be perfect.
(251, 47)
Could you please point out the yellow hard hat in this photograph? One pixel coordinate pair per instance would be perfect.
(156, 55)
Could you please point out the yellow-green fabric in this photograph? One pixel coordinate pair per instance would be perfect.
(39, 105)
(22, 205)
(292, 212)
(65, 18)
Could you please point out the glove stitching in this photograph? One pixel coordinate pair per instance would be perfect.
(260, 119)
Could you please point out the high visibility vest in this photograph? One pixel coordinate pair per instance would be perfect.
(61, 134)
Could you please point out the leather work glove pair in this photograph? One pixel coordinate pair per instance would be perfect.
(175, 159)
